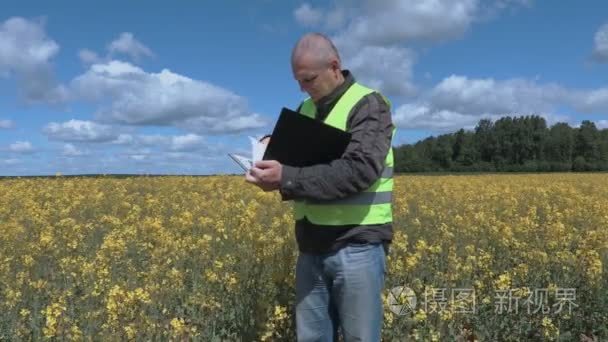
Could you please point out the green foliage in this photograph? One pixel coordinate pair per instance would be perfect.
(511, 144)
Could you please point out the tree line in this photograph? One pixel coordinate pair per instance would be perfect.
(511, 144)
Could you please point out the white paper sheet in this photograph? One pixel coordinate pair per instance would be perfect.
(257, 153)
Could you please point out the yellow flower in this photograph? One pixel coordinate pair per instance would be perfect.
(124, 251)
(178, 325)
(503, 282)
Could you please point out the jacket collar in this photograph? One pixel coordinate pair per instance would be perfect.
(327, 103)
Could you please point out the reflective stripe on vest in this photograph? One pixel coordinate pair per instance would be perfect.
(361, 198)
(371, 206)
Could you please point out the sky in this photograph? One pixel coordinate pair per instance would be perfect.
(160, 87)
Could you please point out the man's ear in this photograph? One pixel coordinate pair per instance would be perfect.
(335, 67)
(335, 64)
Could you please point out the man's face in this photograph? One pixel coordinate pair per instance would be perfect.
(315, 78)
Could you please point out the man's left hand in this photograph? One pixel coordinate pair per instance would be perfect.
(266, 174)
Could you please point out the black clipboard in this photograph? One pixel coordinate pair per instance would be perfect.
(300, 141)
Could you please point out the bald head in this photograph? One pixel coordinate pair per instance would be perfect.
(316, 65)
(315, 46)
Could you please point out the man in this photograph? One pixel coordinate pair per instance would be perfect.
(342, 209)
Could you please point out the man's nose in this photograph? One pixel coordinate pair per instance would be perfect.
(304, 87)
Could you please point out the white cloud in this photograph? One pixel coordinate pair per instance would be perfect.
(483, 96)
(488, 10)
(107, 80)
(398, 21)
(601, 124)
(308, 16)
(6, 124)
(329, 19)
(128, 45)
(138, 157)
(138, 150)
(26, 52)
(513, 96)
(88, 57)
(176, 143)
(25, 45)
(11, 161)
(403, 21)
(187, 142)
(132, 96)
(391, 70)
(590, 101)
(370, 35)
(459, 102)
(23, 147)
(600, 50)
(80, 131)
(388, 22)
(422, 116)
(123, 139)
(125, 44)
(237, 121)
(69, 150)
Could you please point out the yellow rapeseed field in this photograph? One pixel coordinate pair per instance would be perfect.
(486, 257)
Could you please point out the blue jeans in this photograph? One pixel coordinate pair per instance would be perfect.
(342, 289)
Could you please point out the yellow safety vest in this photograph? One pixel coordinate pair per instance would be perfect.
(371, 206)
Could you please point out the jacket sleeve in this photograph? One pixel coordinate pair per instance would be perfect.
(360, 166)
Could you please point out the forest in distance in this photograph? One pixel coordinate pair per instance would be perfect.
(510, 144)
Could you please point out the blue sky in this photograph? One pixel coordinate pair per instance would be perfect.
(159, 87)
